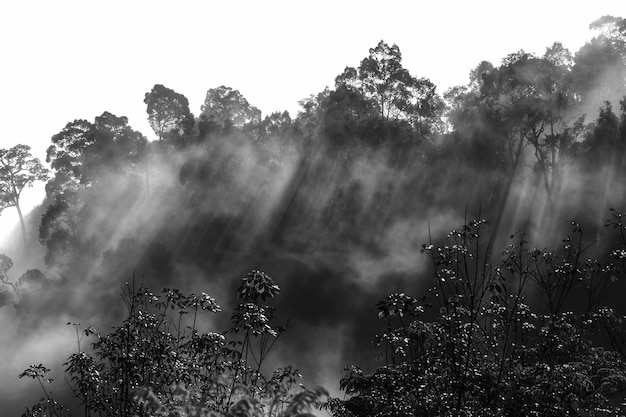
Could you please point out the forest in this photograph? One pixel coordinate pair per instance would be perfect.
(391, 250)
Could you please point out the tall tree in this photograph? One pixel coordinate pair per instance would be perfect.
(82, 149)
(599, 71)
(275, 125)
(478, 126)
(168, 111)
(18, 170)
(423, 106)
(343, 115)
(82, 155)
(612, 29)
(380, 102)
(384, 79)
(225, 105)
(604, 154)
(527, 100)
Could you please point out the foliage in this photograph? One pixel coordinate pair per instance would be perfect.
(225, 105)
(521, 112)
(84, 157)
(599, 70)
(158, 362)
(487, 351)
(168, 112)
(18, 170)
(384, 79)
(605, 139)
(83, 151)
(380, 102)
(612, 28)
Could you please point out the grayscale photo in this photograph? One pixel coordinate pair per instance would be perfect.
(297, 209)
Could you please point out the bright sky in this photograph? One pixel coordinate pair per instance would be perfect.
(64, 60)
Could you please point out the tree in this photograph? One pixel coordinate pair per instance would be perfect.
(612, 29)
(83, 156)
(524, 104)
(602, 138)
(423, 106)
(168, 112)
(378, 103)
(384, 79)
(82, 150)
(59, 229)
(599, 69)
(343, 114)
(382, 84)
(603, 153)
(223, 104)
(542, 109)
(477, 125)
(275, 125)
(18, 170)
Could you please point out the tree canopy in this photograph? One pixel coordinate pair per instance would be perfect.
(168, 112)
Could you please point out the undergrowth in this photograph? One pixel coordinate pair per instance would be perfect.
(157, 362)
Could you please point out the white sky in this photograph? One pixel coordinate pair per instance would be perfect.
(64, 60)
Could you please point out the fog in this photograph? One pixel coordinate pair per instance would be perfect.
(336, 226)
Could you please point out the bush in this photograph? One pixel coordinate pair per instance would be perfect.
(157, 363)
(484, 350)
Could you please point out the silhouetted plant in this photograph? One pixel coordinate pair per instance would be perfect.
(488, 352)
(46, 406)
(157, 363)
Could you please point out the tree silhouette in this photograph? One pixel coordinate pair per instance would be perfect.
(225, 105)
(168, 111)
(18, 170)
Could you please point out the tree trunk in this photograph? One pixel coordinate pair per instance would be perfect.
(22, 224)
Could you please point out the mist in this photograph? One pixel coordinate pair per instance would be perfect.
(334, 205)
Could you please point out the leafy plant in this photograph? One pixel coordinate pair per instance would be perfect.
(46, 406)
(157, 362)
(487, 350)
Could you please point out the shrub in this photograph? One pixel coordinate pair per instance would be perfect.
(157, 363)
(485, 350)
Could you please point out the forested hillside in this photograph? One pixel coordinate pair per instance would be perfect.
(517, 311)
